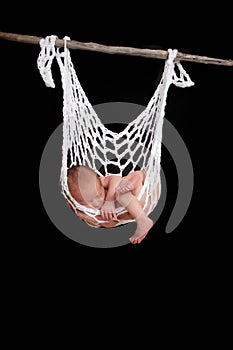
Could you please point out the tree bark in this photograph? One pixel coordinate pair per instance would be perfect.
(120, 50)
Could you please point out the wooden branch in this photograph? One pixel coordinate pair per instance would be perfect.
(121, 50)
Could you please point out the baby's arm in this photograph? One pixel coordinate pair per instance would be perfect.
(108, 208)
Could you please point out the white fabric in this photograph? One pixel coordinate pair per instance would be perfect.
(86, 140)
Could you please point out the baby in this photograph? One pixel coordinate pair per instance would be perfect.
(108, 193)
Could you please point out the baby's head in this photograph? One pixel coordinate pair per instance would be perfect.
(85, 187)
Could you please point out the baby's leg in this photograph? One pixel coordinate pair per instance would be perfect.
(133, 206)
(132, 182)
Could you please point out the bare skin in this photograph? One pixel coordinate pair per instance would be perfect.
(110, 192)
(130, 202)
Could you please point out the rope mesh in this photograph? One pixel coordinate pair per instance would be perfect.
(87, 141)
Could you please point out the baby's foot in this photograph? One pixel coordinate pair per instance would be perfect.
(127, 185)
(142, 230)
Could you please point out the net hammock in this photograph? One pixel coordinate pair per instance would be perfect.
(87, 141)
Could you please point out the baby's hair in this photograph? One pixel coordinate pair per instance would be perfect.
(75, 176)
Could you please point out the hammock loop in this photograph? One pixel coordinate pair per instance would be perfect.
(65, 50)
(65, 42)
(183, 80)
(45, 59)
(172, 55)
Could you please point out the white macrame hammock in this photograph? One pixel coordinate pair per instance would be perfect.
(87, 141)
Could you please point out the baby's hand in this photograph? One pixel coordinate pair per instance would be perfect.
(108, 211)
(124, 187)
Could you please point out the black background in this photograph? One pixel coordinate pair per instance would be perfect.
(201, 114)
